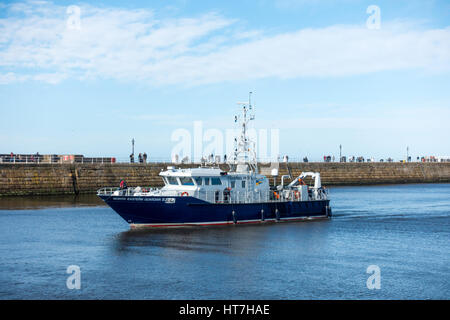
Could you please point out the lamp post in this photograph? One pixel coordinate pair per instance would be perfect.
(132, 151)
(340, 152)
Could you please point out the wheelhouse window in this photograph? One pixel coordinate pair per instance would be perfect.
(198, 181)
(172, 180)
(243, 183)
(187, 181)
(233, 184)
(207, 182)
(216, 181)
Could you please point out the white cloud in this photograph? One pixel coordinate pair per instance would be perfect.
(134, 45)
(11, 77)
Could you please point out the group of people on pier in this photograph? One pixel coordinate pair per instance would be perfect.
(142, 157)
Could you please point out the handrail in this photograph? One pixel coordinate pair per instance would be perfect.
(60, 159)
(215, 196)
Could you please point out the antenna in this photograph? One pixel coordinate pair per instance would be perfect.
(250, 107)
(245, 155)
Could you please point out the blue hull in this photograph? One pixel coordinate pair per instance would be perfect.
(186, 211)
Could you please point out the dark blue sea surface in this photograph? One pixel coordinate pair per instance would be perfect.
(402, 229)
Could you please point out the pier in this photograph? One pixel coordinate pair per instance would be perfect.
(75, 178)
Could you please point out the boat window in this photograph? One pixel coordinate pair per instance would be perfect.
(186, 181)
(216, 181)
(172, 180)
(198, 180)
(206, 181)
(233, 184)
(243, 183)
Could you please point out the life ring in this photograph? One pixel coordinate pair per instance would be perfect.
(184, 194)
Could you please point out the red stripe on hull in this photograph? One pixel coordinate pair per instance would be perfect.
(133, 226)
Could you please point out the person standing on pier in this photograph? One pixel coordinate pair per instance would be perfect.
(140, 158)
(145, 157)
(131, 158)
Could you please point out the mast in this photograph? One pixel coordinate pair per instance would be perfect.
(245, 154)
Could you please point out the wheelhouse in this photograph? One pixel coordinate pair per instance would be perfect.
(213, 183)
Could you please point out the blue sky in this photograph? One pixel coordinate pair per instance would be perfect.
(146, 68)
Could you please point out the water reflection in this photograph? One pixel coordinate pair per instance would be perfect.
(232, 239)
(43, 202)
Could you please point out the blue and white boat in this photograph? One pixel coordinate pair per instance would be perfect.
(207, 195)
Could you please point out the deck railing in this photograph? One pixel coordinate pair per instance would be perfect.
(234, 196)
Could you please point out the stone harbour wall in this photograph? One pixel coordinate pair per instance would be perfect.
(51, 179)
